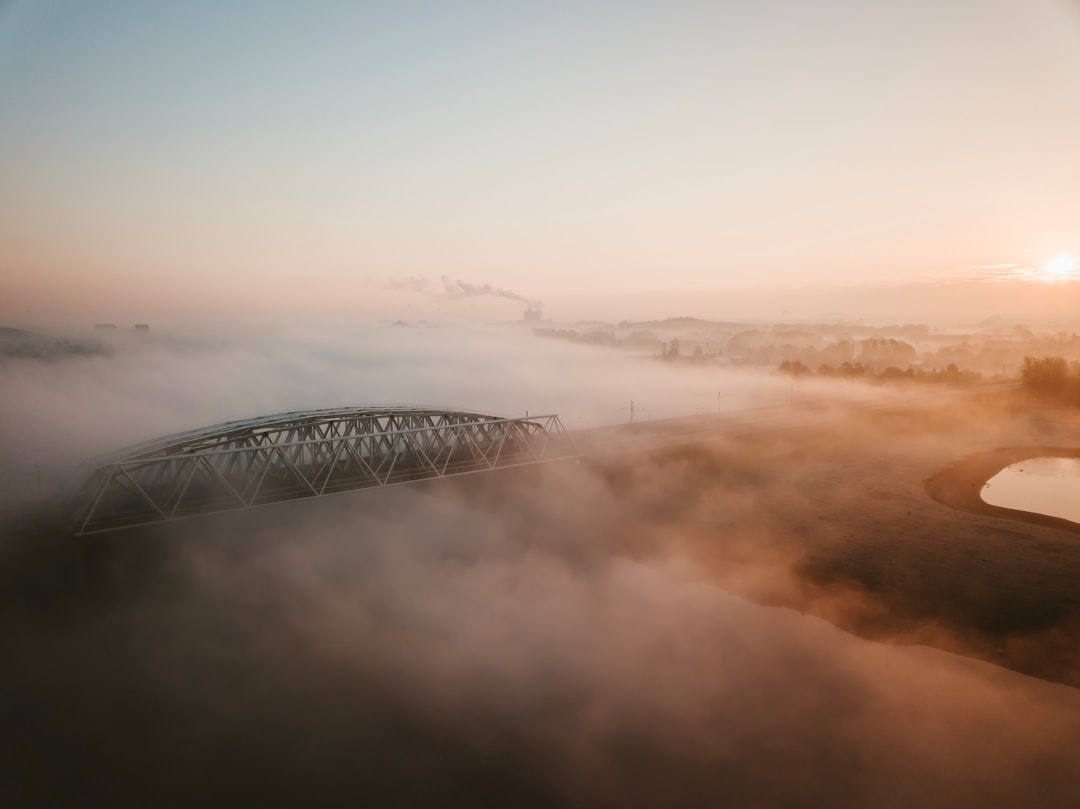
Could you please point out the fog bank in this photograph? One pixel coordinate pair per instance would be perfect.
(538, 638)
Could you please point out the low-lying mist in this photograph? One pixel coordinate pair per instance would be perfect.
(530, 638)
(61, 411)
(492, 643)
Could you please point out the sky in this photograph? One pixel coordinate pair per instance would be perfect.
(610, 159)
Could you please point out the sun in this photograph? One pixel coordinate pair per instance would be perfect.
(1060, 267)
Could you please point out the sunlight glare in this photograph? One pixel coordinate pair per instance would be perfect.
(1060, 267)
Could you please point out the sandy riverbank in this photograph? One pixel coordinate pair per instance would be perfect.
(960, 484)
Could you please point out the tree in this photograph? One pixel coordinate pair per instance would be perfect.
(1046, 376)
(793, 367)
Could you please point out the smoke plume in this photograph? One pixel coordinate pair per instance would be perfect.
(454, 289)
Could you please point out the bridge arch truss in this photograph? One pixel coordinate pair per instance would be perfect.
(299, 455)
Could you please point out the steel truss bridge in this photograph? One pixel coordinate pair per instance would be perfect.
(298, 455)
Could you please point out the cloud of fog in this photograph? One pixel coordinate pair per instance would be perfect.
(57, 413)
(534, 638)
(516, 643)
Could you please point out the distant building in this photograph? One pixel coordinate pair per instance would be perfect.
(532, 314)
(104, 325)
(142, 327)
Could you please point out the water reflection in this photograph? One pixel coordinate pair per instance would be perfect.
(1041, 485)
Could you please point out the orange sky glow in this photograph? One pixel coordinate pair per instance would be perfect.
(610, 162)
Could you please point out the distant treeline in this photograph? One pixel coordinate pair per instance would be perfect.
(1054, 378)
(997, 352)
(951, 374)
(45, 348)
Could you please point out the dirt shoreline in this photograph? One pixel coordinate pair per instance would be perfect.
(960, 484)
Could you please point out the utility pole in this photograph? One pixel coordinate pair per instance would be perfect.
(631, 411)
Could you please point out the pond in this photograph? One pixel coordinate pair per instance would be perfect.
(1048, 486)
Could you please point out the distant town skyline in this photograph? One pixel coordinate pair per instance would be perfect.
(255, 160)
